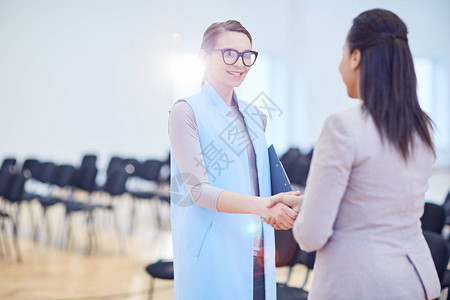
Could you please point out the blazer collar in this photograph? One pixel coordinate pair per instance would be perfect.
(216, 100)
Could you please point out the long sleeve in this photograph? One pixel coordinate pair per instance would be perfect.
(327, 182)
(185, 144)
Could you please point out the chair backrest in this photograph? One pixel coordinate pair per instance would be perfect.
(16, 184)
(440, 252)
(5, 174)
(115, 182)
(297, 172)
(433, 218)
(33, 165)
(149, 170)
(307, 259)
(131, 164)
(46, 172)
(8, 163)
(85, 178)
(286, 248)
(89, 160)
(63, 175)
(115, 163)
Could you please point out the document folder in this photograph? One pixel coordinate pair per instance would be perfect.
(279, 180)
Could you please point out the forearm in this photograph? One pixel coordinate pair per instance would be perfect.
(230, 202)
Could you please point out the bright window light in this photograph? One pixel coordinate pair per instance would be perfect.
(186, 73)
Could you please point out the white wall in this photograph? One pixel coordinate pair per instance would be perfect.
(98, 75)
(317, 86)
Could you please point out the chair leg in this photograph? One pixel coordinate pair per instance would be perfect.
(47, 226)
(33, 231)
(17, 215)
(16, 242)
(4, 244)
(88, 232)
(132, 216)
(289, 275)
(158, 213)
(94, 233)
(61, 234)
(306, 279)
(68, 228)
(90, 227)
(119, 237)
(1, 242)
(150, 291)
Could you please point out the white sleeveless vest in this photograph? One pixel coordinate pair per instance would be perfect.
(213, 251)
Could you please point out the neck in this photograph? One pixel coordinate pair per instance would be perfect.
(225, 92)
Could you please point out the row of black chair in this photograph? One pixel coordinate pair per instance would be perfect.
(11, 189)
(53, 184)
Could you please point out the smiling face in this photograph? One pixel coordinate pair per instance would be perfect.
(218, 73)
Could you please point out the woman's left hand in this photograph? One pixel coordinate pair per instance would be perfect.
(283, 199)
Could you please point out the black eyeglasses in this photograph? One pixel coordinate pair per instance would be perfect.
(230, 56)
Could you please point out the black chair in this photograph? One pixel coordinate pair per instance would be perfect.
(5, 174)
(148, 172)
(41, 173)
(307, 259)
(115, 163)
(297, 165)
(5, 183)
(433, 217)
(114, 187)
(24, 196)
(32, 165)
(440, 252)
(162, 269)
(287, 254)
(61, 177)
(446, 207)
(13, 193)
(89, 160)
(8, 163)
(164, 172)
(85, 179)
(298, 173)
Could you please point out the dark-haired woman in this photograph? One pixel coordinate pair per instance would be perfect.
(365, 192)
(220, 181)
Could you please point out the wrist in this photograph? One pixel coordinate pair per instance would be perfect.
(260, 205)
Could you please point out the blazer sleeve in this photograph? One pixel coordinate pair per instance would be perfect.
(327, 182)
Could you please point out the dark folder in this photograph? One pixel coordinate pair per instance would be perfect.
(286, 246)
(279, 180)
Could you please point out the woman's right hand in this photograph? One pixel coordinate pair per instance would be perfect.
(277, 214)
(288, 203)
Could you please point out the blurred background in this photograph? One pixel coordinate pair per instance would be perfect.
(99, 77)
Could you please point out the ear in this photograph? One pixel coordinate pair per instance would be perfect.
(355, 59)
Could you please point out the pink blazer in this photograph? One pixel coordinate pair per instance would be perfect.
(361, 211)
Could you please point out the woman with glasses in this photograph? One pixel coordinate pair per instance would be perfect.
(220, 181)
(365, 192)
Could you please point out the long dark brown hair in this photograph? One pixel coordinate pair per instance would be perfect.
(388, 84)
(214, 31)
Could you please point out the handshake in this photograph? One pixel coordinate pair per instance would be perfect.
(281, 210)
